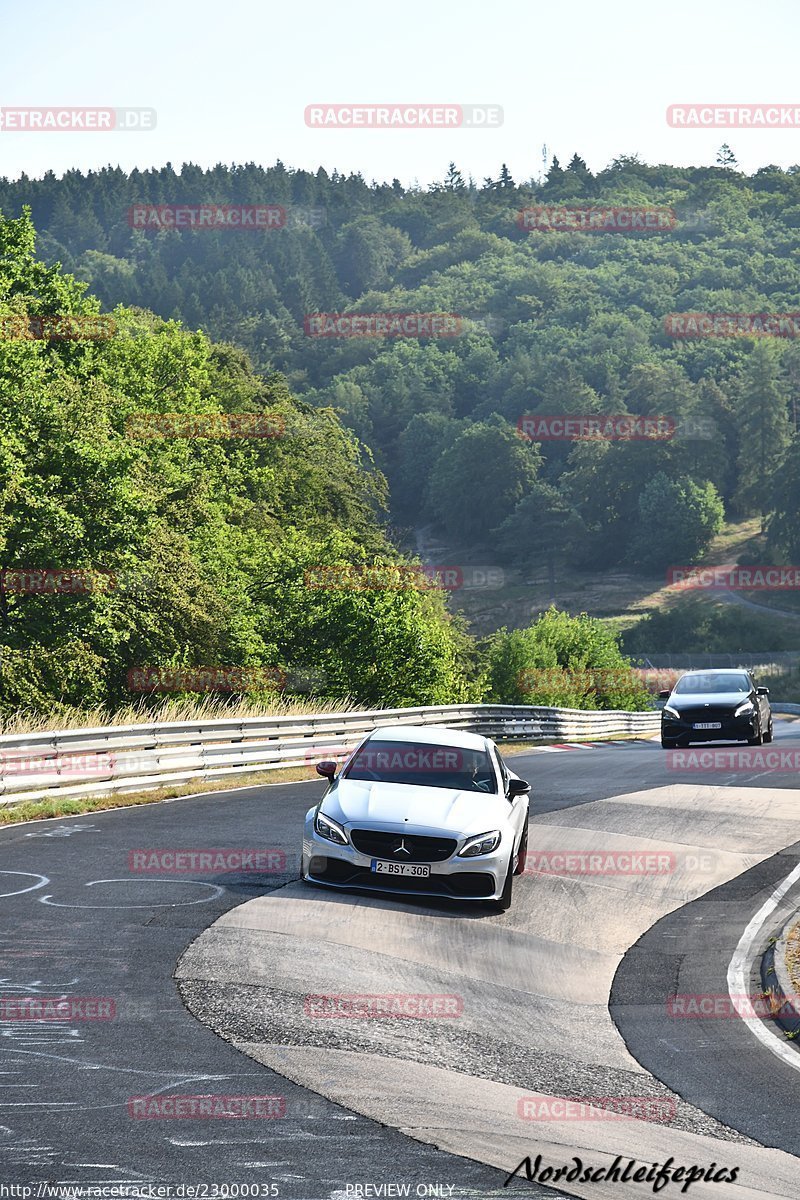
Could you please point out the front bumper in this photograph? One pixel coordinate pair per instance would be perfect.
(732, 729)
(456, 878)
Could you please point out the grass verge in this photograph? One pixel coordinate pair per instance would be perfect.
(146, 712)
(38, 810)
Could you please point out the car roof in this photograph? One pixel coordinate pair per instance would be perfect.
(433, 735)
(717, 671)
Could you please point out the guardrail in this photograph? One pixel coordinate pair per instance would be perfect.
(117, 758)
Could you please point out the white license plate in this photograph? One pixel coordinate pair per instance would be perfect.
(417, 870)
(707, 725)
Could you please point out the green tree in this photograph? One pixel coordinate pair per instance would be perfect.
(454, 180)
(577, 167)
(195, 548)
(504, 179)
(726, 158)
(677, 520)
(561, 660)
(764, 428)
(555, 175)
(480, 478)
(783, 526)
(543, 526)
(421, 445)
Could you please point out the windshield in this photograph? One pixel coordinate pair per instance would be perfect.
(423, 764)
(713, 681)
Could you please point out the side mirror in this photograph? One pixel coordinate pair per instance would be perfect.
(762, 691)
(517, 787)
(327, 768)
(665, 695)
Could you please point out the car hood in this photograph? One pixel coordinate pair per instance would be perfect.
(365, 803)
(714, 699)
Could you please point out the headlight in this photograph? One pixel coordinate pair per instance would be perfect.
(671, 712)
(484, 843)
(328, 829)
(747, 707)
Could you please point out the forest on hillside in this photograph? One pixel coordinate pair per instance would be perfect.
(385, 433)
(549, 321)
(146, 547)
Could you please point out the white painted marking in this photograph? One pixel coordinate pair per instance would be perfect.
(110, 1166)
(43, 881)
(215, 889)
(47, 1103)
(62, 832)
(738, 971)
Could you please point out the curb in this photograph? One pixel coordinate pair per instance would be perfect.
(776, 980)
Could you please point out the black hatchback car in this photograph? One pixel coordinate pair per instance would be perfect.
(716, 706)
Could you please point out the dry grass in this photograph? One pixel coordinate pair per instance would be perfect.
(621, 597)
(169, 709)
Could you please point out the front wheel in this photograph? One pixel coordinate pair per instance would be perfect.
(758, 740)
(769, 734)
(504, 903)
(522, 853)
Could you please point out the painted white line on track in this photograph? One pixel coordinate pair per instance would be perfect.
(738, 972)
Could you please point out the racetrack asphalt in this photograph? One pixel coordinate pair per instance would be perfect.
(419, 1102)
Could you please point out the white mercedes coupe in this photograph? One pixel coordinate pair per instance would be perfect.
(420, 810)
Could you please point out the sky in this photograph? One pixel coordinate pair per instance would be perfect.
(230, 81)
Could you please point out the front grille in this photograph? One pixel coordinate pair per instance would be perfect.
(422, 849)
(690, 715)
(462, 883)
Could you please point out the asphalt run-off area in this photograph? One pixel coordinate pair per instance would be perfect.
(232, 1026)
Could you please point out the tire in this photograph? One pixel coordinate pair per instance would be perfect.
(769, 734)
(668, 745)
(523, 850)
(504, 903)
(758, 740)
